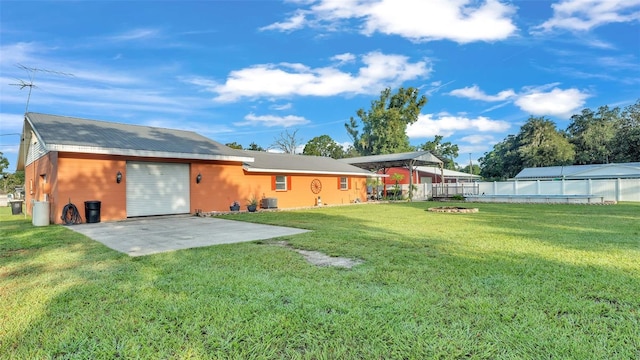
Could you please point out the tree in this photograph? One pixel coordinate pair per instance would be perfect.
(503, 161)
(4, 163)
(397, 177)
(287, 142)
(591, 134)
(234, 145)
(475, 169)
(625, 146)
(445, 151)
(324, 145)
(541, 144)
(255, 147)
(384, 125)
(11, 181)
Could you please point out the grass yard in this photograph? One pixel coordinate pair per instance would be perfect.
(510, 282)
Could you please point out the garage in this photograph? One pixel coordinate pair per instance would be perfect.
(157, 188)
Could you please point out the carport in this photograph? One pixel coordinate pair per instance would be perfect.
(405, 160)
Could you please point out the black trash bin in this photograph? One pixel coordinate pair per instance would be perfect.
(16, 207)
(92, 211)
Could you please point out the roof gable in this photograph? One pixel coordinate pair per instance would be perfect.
(61, 133)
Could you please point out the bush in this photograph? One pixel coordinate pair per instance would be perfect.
(457, 197)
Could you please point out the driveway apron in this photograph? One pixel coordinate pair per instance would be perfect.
(145, 236)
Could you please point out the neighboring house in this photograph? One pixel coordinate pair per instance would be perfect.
(580, 172)
(140, 171)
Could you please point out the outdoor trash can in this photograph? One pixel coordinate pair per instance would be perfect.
(40, 213)
(16, 207)
(92, 211)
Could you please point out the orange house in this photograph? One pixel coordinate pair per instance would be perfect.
(142, 171)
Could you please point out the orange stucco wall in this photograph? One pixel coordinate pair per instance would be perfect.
(87, 178)
(300, 194)
(82, 177)
(77, 178)
(224, 183)
(40, 181)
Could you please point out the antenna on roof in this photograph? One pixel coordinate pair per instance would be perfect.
(30, 70)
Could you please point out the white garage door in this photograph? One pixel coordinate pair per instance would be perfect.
(157, 188)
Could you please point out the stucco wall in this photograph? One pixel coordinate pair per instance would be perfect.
(82, 177)
(40, 182)
(300, 194)
(87, 178)
(224, 183)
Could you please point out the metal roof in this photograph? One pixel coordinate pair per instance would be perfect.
(268, 162)
(593, 171)
(375, 162)
(69, 134)
(447, 173)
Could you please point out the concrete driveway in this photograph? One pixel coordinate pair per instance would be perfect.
(145, 236)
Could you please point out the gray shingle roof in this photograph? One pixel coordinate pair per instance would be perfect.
(61, 133)
(289, 163)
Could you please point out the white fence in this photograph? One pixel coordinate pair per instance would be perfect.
(609, 189)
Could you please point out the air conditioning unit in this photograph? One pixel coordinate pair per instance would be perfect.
(269, 203)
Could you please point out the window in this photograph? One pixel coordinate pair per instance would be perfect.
(281, 183)
(344, 183)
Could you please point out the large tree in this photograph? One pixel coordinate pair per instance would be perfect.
(541, 144)
(384, 126)
(324, 145)
(444, 150)
(503, 161)
(625, 146)
(287, 142)
(591, 134)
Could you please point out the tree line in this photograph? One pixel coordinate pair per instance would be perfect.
(593, 137)
(606, 135)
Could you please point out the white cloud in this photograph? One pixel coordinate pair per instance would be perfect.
(478, 139)
(344, 58)
(545, 99)
(272, 120)
(474, 93)
(135, 34)
(462, 21)
(281, 107)
(429, 125)
(286, 79)
(583, 15)
(556, 102)
(295, 22)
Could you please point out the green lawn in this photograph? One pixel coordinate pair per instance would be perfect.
(510, 282)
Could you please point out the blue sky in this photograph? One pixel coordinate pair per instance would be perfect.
(246, 71)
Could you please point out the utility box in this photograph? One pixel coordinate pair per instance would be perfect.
(40, 213)
(269, 203)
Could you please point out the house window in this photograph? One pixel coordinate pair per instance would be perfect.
(344, 183)
(281, 183)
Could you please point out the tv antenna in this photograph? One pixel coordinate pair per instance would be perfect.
(30, 71)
